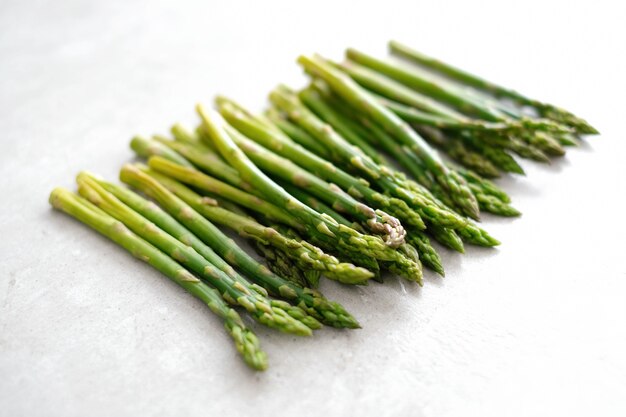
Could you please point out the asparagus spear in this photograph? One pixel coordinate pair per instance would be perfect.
(428, 254)
(486, 186)
(312, 100)
(207, 184)
(312, 302)
(163, 220)
(182, 134)
(447, 237)
(304, 254)
(318, 205)
(543, 109)
(385, 177)
(356, 187)
(259, 309)
(197, 179)
(282, 265)
(289, 130)
(409, 161)
(424, 111)
(146, 148)
(345, 87)
(207, 160)
(246, 341)
(323, 226)
(455, 95)
(426, 85)
(375, 221)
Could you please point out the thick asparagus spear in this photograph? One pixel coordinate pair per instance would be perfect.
(312, 302)
(325, 227)
(345, 87)
(259, 309)
(163, 220)
(543, 109)
(246, 341)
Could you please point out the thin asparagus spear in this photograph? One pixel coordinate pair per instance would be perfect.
(146, 148)
(447, 237)
(246, 341)
(304, 254)
(356, 187)
(454, 95)
(345, 87)
(199, 180)
(280, 264)
(486, 186)
(312, 302)
(317, 205)
(313, 101)
(206, 160)
(290, 130)
(376, 221)
(163, 220)
(182, 134)
(428, 254)
(259, 309)
(335, 235)
(382, 175)
(543, 109)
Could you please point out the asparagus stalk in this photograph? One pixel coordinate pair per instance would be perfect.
(163, 220)
(409, 161)
(546, 110)
(447, 237)
(182, 134)
(328, 230)
(428, 254)
(424, 111)
(385, 177)
(345, 87)
(376, 221)
(486, 186)
(207, 184)
(318, 205)
(312, 302)
(201, 181)
(246, 341)
(259, 309)
(312, 100)
(304, 254)
(206, 160)
(426, 85)
(356, 187)
(454, 95)
(146, 148)
(282, 265)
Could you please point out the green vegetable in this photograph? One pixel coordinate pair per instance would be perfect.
(246, 341)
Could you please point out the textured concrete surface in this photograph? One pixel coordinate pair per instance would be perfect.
(533, 328)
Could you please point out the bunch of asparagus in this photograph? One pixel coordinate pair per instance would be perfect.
(313, 185)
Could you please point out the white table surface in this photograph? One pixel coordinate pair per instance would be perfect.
(535, 327)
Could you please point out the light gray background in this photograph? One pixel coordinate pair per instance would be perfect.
(533, 328)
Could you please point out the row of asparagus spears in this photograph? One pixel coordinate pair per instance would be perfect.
(314, 185)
